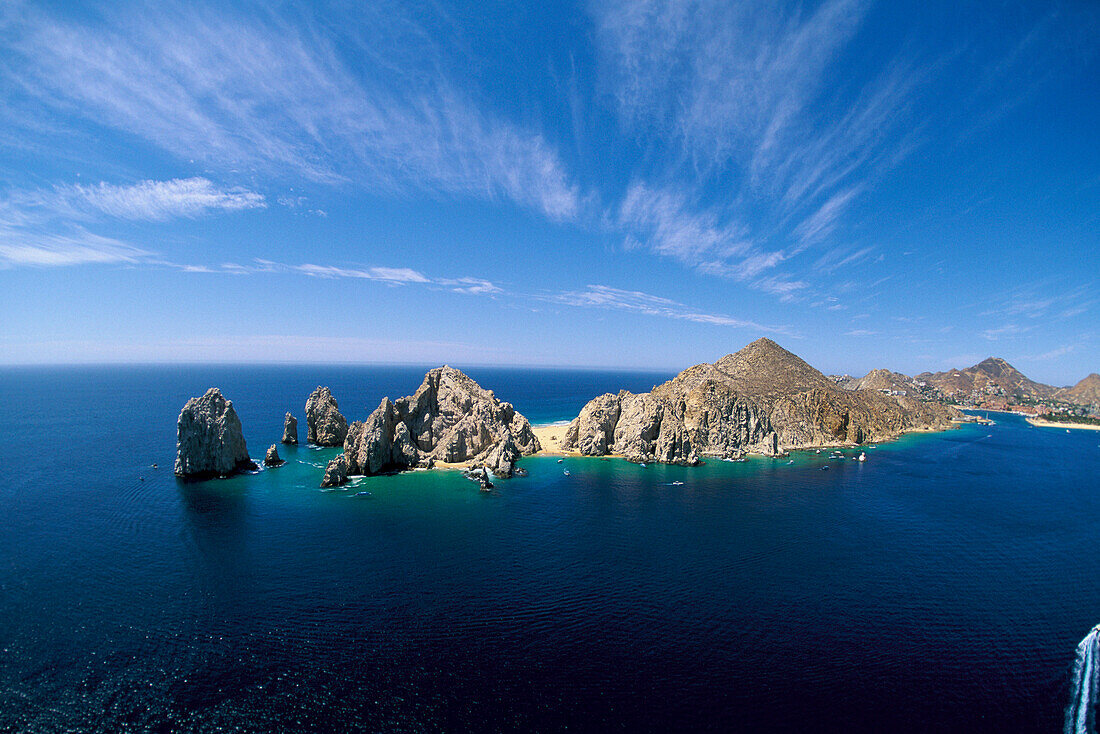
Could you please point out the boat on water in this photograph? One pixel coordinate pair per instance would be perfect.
(862, 456)
(566, 472)
(825, 467)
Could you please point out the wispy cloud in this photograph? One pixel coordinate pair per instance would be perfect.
(1008, 330)
(739, 89)
(273, 94)
(154, 201)
(25, 248)
(618, 299)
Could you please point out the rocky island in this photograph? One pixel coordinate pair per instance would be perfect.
(762, 399)
(209, 439)
(450, 419)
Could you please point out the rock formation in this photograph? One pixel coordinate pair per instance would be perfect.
(763, 399)
(450, 418)
(209, 439)
(336, 473)
(290, 429)
(272, 457)
(325, 426)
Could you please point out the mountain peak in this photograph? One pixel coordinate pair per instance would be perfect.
(763, 366)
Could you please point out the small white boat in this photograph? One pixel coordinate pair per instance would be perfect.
(642, 465)
(677, 484)
(566, 472)
(862, 456)
(560, 460)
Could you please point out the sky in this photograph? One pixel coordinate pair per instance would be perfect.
(909, 185)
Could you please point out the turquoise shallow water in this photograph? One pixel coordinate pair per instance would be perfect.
(940, 586)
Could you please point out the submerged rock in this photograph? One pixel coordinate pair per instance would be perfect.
(209, 439)
(762, 399)
(325, 425)
(272, 457)
(290, 429)
(450, 418)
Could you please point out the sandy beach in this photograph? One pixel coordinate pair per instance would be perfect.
(1054, 424)
(550, 437)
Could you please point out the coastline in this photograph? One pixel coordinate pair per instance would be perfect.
(1040, 423)
(550, 436)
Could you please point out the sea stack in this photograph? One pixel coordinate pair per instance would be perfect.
(290, 430)
(209, 439)
(325, 425)
(450, 418)
(272, 457)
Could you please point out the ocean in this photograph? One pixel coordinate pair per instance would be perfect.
(941, 586)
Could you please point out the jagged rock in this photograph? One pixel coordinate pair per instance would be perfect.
(272, 457)
(761, 399)
(290, 429)
(209, 439)
(450, 418)
(336, 473)
(325, 425)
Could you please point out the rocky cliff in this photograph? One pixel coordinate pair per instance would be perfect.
(762, 399)
(209, 439)
(325, 425)
(450, 418)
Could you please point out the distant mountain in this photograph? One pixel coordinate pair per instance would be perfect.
(760, 399)
(1085, 392)
(881, 379)
(992, 373)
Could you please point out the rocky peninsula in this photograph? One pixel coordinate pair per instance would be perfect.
(209, 439)
(762, 399)
(449, 419)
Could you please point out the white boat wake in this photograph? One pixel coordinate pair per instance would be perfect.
(1081, 712)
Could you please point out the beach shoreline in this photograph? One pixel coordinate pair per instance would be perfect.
(1040, 423)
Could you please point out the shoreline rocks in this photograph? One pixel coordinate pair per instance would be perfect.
(209, 439)
(325, 424)
(450, 418)
(762, 399)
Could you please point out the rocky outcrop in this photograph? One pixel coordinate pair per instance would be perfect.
(272, 457)
(762, 399)
(325, 425)
(450, 418)
(290, 429)
(209, 439)
(336, 473)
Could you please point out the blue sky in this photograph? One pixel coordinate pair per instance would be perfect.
(911, 185)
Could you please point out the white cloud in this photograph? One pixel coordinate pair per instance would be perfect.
(603, 296)
(733, 95)
(23, 248)
(273, 94)
(161, 200)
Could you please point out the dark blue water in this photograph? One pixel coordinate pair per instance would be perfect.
(943, 585)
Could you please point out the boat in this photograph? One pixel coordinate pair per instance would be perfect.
(642, 465)
(862, 456)
(677, 484)
(824, 467)
(560, 460)
(362, 494)
(566, 472)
